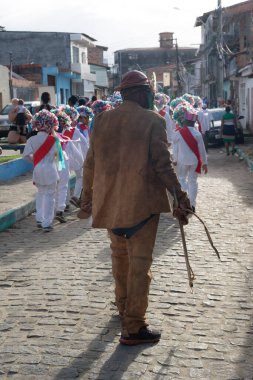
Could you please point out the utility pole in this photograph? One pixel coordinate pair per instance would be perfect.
(10, 76)
(179, 87)
(220, 54)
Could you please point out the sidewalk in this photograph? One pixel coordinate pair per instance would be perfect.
(245, 152)
(17, 199)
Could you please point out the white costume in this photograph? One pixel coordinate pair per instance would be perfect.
(205, 118)
(82, 145)
(45, 177)
(170, 127)
(73, 161)
(187, 162)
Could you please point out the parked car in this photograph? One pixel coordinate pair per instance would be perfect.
(4, 120)
(215, 129)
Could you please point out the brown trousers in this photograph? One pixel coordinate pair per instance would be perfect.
(131, 262)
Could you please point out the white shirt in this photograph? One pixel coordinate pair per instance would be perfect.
(83, 143)
(170, 127)
(205, 118)
(21, 109)
(183, 154)
(45, 172)
(75, 156)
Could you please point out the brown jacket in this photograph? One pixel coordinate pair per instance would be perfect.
(127, 168)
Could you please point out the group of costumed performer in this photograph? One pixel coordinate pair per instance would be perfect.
(61, 149)
(58, 146)
(186, 137)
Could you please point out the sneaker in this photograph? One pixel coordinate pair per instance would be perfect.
(144, 335)
(39, 225)
(75, 201)
(67, 208)
(47, 229)
(60, 216)
(193, 209)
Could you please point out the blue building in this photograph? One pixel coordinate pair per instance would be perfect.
(58, 60)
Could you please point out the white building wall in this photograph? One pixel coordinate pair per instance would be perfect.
(4, 85)
(246, 102)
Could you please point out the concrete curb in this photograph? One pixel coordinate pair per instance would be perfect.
(14, 168)
(242, 155)
(10, 217)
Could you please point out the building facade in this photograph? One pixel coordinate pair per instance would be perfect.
(165, 56)
(51, 59)
(226, 56)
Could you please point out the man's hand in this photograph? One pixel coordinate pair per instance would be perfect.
(180, 210)
(204, 168)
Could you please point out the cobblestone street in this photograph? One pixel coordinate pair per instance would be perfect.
(58, 321)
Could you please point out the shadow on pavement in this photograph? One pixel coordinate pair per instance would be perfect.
(115, 363)
(19, 243)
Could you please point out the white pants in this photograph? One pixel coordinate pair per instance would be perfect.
(79, 183)
(45, 203)
(62, 188)
(188, 178)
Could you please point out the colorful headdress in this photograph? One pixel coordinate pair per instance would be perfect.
(63, 119)
(72, 113)
(116, 99)
(100, 105)
(184, 112)
(197, 101)
(161, 100)
(45, 121)
(85, 111)
(175, 102)
(189, 98)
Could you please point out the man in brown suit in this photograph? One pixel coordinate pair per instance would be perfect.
(127, 174)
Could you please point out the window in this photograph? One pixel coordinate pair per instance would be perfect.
(132, 56)
(66, 94)
(75, 52)
(62, 96)
(51, 80)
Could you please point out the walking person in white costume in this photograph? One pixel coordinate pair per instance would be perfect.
(189, 153)
(43, 151)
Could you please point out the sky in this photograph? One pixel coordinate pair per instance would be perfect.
(117, 24)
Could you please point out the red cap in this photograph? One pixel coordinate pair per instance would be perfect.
(133, 78)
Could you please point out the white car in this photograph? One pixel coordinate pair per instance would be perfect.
(4, 120)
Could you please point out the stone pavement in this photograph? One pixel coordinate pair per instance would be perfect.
(57, 319)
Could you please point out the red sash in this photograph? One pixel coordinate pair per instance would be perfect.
(83, 127)
(162, 113)
(193, 145)
(43, 149)
(69, 133)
